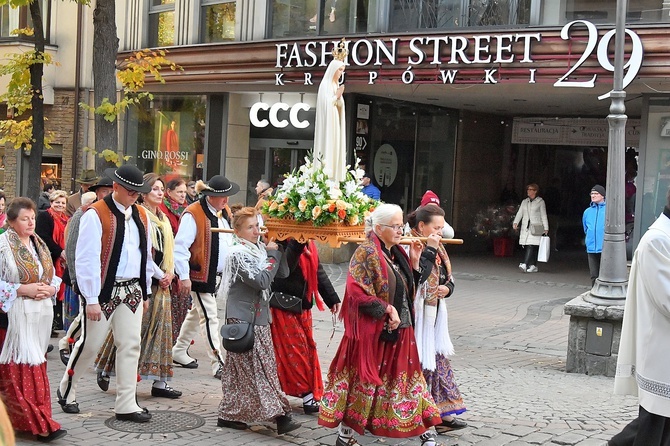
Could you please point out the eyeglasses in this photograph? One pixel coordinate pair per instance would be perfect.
(396, 228)
(131, 192)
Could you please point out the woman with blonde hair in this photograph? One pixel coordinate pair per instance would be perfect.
(531, 222)
(251, 388)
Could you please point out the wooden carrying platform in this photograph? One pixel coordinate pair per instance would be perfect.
(281, 229)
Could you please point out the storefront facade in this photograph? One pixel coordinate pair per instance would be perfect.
(462, 98)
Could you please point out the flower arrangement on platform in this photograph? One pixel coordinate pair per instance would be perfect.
(495, 221)
(308, 195)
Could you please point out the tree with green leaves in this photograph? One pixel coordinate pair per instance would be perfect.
(24, 92)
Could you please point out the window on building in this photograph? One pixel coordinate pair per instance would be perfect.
(17, 18)
(161, 23)
(217, 21)
(295, 18)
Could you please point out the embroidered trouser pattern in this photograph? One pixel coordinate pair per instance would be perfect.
(125, 321)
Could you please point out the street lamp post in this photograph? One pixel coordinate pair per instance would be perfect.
(611, 285)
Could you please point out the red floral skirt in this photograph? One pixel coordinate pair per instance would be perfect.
(297, 359)
(25, 390)
(400, 407)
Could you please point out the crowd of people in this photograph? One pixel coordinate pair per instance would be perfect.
(131, 266)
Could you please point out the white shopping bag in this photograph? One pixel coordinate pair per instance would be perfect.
(543, 252)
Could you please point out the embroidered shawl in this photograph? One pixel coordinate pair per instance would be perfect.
(367, 282)
(309, 265)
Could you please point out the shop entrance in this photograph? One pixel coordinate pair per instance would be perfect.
(272, 163)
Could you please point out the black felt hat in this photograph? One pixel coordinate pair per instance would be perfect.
(105, 181)
(130, 177)
(217, 186)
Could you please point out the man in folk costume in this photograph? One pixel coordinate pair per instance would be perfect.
(87, 179)
(114, 240)
(199, 258)
(642, 367)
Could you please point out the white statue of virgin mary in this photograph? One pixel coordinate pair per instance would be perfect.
(330, 142)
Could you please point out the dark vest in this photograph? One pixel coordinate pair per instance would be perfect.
(113, 234)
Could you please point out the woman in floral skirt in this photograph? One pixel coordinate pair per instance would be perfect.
(431, 319)
(375, 381)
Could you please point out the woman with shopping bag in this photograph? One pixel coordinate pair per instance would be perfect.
(531, 222)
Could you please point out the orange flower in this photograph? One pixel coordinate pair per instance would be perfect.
(331, 207)
(341, 213)
(285, 200)
(302, 205)
(273, 206)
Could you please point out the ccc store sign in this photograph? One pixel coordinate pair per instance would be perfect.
(277, 110)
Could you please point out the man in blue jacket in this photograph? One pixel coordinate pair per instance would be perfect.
(594, 228)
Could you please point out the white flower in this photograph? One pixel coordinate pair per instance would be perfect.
(315, 189)
(319, 198)
(350, 187)
(334, 193)
(302, 190)
(281, 196)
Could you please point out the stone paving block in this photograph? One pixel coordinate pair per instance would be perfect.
(537, 438)
(518, 431)
(487, 432)
(568, 439)
(592, 442)
(498, 440)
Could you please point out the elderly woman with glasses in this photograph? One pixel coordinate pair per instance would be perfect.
(375, 381)
(531, 222)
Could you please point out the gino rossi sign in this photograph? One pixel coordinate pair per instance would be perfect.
(445, 51)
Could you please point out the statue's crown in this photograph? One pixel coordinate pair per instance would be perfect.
(340, 51)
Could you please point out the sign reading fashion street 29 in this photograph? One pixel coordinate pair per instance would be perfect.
(451, 53)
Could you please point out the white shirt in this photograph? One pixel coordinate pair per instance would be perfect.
(87, 255)
(186, 236)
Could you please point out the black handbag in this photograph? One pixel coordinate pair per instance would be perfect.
(388, 335)
(238, 337)
(286, 302)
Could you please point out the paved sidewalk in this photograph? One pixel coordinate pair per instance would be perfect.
(510, 336)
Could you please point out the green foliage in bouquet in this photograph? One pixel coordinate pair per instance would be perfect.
(495, 221)
(309, 195)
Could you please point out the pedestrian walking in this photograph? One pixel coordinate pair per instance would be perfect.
(251, 389)
(376, 368)
(531, 222)
(307, 284)
(431, 317)
(114, 278)
(155, 363)
(199, 256)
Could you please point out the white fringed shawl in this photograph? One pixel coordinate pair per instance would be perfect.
(246, 256)
(431, 328)
(29, 320)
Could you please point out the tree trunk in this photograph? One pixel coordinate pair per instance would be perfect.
(37, 103)
(105, 48)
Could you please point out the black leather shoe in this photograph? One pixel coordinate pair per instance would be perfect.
(218, 373)
(191, 365)
(344, 442)
(232, 424)
(452, 425)
(167, 392)
(67, 408)
(103, 381)
(311, 406)
(286, 424)
(64, 356)
(50, 348)
(55, 435)
(135, 417)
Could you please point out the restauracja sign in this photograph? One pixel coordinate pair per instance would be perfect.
(460, 50)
